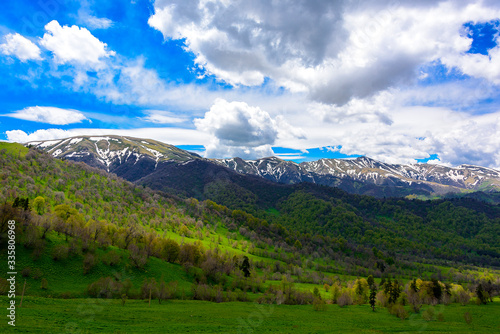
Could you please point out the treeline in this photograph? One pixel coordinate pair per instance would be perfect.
(74, 199)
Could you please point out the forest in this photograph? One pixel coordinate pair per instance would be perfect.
(84, 233)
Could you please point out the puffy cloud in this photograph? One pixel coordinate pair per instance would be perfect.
(20, 47)
(173, 136)
(74, 45)
(50, 115)
(478, 65)
(19, 136)
(335, 51)
(238, 129)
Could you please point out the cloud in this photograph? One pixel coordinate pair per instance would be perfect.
(97, 23)
(19, 136)
(20, 47)
(162, 117)
(237, 129)
(173, 136)
(334, 51)
(478, 65)
(50, 115)
(74, 45)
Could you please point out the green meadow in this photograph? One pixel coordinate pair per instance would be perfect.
(43, 315)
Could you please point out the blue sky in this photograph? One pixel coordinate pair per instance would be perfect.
(398, 81)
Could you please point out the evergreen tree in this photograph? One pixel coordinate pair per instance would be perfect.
(245, 266)
(373, 295)
(370, 281)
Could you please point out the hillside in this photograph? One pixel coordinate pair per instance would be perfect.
(370, 177)
(83, 232)
(135, 158)
(461, 230)
(127, 157)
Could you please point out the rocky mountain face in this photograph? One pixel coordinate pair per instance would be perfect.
(127, 157)
(160, 166)
(362, 172)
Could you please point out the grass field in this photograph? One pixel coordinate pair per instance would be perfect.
(43, 315)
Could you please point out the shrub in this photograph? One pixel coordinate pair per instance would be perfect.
(36, 273)
(26, 272)
(89, 262)
(468, 318)
(462, 297)
(381, 299)
(44, 285)
(344, 299)
(38, 248)
(428, 314)
(105, 287)
(399, 311)
(111, 258)
(319, 304)
(60, 252)
(65, 295)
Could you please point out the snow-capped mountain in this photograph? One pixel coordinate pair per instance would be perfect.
(144, 159)
(334, 172)
(131, 158)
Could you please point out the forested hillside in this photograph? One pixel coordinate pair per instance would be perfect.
(82, 232)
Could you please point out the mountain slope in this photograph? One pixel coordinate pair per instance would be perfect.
(357, 175)
(144, 159)
(127, 157)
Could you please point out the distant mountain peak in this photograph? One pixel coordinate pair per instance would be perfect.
(134, 158)
(117, 154)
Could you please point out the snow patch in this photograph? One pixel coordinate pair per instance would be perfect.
(49, 143)
(56, 153)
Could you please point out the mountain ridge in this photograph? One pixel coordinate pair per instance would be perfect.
(138, 159)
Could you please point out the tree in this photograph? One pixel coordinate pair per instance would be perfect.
(437, 291)
(373, 295)
(171, 250)
(394, 292)
(481, 294)
(39, 205)
(370, 280)
(245, 266)
(373, 291)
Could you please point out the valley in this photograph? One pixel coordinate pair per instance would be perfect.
(193, 239)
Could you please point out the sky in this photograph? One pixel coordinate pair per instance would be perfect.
(397, 81)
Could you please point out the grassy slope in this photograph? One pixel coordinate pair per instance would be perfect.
(40, 315)
(66, 276)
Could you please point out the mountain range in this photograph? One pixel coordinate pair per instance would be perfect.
(162, 166)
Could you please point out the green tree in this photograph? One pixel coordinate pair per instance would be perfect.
(39, 205)
(370, 280)
(481, 294)
(373, 295)
(245, 266)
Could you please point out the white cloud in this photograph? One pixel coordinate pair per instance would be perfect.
(162, 117)
(173, 136)
(19, 136)
(237, 129)
(93, 22)
(478, 65)
(74, 45)
(50, 115)
(335, 51)
(20, 47)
